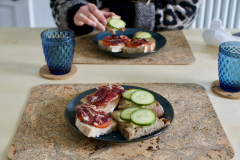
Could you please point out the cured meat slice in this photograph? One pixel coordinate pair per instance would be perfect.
(110, 97)
(99, 95)
(105, 94)
(91, 116)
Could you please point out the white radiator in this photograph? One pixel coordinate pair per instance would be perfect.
(226, 10)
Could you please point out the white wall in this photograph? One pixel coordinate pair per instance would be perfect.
(14, 13)
(226, 10)
(41, 14)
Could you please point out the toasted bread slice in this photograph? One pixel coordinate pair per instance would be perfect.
(130, 131)
(111, 106)
(117, 48)
(108, 28)
(116, 116)
(133, 38)
(155, 107)
(91, 131)
(139, 49)
(108, 109)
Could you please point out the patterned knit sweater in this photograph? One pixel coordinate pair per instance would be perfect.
(154, 15)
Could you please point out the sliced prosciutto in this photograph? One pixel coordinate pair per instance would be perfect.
(88, 114)
(105, 94)
(99, 95)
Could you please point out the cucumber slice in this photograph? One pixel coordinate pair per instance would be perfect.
(142, 98)
(143, 35)
(143, 117)
(116, 23)
(127, 95)
(126, 113)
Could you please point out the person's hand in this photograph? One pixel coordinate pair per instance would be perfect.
(89, 14)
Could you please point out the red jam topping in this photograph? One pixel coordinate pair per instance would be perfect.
(139, 42)
(115, 40)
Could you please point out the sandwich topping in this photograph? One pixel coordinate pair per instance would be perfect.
(105, 94)
(139, 42)
(138, 116)
(138, 97)
(88, 114)
(115, 40)
(116, 23)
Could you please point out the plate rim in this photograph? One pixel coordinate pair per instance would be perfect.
(122, 55)
(126, 141)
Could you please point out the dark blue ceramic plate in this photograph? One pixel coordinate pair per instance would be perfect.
(116, 136)
(160, 41)
(237, 34)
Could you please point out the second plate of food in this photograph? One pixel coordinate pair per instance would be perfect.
(129, 32)
(116, 136)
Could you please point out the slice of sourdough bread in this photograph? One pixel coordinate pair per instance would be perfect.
(117, 48)
(108, 28)
(108, 109)
(139, 49)
(91, 131)
(131, 131)
(155, 107)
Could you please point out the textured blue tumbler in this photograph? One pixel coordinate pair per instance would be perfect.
(229, 66)
(58, 47)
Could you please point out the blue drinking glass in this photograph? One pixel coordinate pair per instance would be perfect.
(58, 47)
(229, 66)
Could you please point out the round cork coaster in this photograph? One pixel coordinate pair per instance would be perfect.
(44, 72)
(215, 87)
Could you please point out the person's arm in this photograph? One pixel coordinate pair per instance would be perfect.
(79, 15)
(124, 8)
(63, 13)
(90, 15)
(166, 14)
(175, 14)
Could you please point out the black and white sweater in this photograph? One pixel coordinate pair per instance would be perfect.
(156, 15)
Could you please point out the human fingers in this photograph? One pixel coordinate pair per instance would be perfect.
(82, 19)
(98, 24)
(77, 22)
(97, 13)
(109, 14)
(105, 9)
(81, 23)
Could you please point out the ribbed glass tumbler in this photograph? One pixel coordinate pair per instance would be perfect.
(229, 66)
(58, 48)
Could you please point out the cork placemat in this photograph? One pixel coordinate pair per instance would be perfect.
(176, 52)
(215, 87)
(45, 73)
(195, 133)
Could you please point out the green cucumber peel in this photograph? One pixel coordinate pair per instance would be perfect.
(143, 117)
(143, 35)
(142, 98)
(116, 23)
(127, 94)
(126, 113)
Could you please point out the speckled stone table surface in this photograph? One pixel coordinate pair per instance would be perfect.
(195, 133)
(176, 51)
